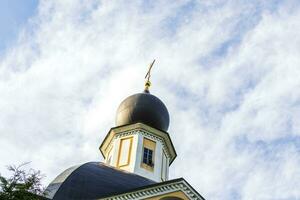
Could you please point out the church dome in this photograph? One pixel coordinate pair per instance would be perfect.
(145, 108)
(93, 180)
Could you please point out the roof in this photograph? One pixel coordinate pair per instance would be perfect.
(94, 180)
(145, 108)
(144, 192)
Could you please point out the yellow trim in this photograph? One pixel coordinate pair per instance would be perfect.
(129, 152)
(149, 144)
(178, 194)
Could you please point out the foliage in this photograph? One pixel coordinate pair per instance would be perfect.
(21, 185)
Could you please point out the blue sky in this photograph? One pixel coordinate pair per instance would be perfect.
(228, 71)
(14, 16)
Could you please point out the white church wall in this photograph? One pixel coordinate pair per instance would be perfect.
(127, 154)
(115, 149)
(156, 173)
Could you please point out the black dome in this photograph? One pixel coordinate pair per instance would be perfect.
(93, 180)
(145, 108)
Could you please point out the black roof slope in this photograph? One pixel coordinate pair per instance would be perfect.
(94, 180)
(144, 108)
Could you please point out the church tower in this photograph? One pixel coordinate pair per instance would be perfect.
(140, 142)
(137, 151)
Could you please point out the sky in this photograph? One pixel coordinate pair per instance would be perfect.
(13, 16)
(228, 71)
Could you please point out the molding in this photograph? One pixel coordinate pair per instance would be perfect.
(143, 165)
(145, 130)
(129, 152)
(147, 134)
(157, 190)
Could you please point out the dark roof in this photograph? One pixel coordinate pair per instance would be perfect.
(94, 180)
(145, 108)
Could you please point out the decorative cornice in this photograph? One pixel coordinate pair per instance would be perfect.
(161, 189)
(145, 130)
(144, 133)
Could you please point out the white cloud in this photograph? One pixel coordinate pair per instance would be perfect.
(228, 72)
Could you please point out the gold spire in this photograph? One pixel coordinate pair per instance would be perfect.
(147, 77)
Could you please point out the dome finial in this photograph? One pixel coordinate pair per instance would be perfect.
(147, 77)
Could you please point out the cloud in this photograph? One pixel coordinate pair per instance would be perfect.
(227, 71)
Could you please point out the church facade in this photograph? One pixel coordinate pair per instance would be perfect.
(138, 152)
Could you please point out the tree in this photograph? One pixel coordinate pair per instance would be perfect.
(22, 184)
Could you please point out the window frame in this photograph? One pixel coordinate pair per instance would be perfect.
(148, 156)
(151, 145)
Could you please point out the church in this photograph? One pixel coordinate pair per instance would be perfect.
(137, 153)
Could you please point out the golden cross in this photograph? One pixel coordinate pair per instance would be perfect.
(148, 75)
